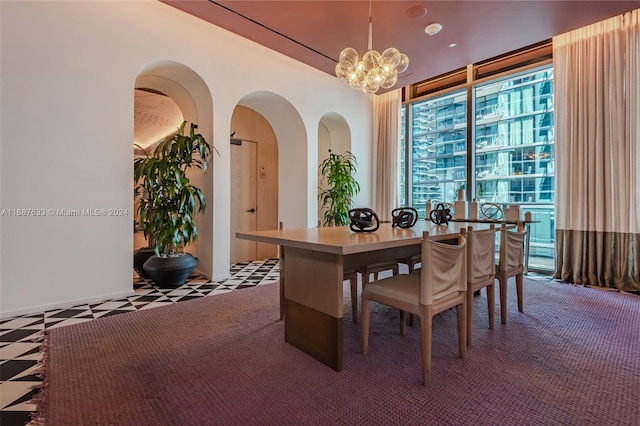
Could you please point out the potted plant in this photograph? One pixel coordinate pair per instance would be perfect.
(168, 203)
(141, 255)
(338, 173)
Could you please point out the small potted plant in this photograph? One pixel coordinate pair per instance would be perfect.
(168, 203)
(338, 173)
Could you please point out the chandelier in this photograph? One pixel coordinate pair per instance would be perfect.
(373, 70)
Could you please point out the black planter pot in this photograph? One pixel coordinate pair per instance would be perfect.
(140, 256)
(170, 272)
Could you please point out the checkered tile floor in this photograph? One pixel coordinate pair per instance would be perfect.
(20, 348)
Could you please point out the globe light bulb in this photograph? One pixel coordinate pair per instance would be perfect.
(373, 70)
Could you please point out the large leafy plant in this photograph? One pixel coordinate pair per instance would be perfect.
(168, 201)
(338, 173)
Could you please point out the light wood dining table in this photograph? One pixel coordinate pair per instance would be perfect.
(312, 265)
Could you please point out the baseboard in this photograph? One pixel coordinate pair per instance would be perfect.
(66, 304)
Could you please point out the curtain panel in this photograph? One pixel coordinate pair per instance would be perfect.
(597, 94)
(386, 133)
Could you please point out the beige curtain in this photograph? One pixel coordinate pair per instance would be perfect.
(597, 92)
(386, 134)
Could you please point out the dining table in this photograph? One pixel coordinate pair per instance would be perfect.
(312, 261)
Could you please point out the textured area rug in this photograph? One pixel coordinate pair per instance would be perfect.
(570, 358)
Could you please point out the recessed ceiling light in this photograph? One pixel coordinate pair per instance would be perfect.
(433, 29)
(452, 45)
(415, 12)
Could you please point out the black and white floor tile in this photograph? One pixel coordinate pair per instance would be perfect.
(19, 336)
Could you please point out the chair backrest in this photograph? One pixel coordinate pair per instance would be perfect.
(444, 268)
(511, 248)
(481, 254)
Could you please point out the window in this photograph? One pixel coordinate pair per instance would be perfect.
(438, 149)
(513, 150)
(402, 169)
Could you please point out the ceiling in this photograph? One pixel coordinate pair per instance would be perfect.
(154, 117)
(314, 32)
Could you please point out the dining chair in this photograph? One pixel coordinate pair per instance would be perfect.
(375, 269)
(439, 287)
(413, 263)
(510, 264)
(352, 276)
(481, 272)
(365, 273)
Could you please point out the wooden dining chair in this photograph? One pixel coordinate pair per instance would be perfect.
(439, 287)
(413, 263)
(352, 276)
(510, 264)
(375, 269)
(481, 272)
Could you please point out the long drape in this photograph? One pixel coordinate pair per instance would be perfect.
(386, 116)
(597, 94)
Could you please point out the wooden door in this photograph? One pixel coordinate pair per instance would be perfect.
(244, 168)
(254, 183)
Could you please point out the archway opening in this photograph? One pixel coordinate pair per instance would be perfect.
(188, 98)
(334, 136)
(156, 116)
(254, 183)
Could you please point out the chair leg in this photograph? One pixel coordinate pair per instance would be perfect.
(353, 282)
(396, 271)
(366, 320)
(519, 290)
(365, 280)
(281, 298)
(491, 305)
(469, 316)
(503, 299)
(426, 320)
(403, 323)
(462, 328)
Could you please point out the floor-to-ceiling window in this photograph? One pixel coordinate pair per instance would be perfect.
(513, 150)
(438, 149)
(402, 169)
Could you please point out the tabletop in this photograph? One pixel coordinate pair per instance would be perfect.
(341, 240)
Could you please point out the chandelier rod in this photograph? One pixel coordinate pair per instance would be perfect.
(370, 44)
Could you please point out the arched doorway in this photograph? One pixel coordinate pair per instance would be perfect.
(254, 183)
(155, 117)
(192, 97)
(292, 158)
(334, 136)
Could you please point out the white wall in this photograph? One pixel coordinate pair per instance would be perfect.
(68, 70)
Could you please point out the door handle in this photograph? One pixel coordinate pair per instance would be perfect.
(251, 211)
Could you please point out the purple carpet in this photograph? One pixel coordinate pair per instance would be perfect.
(573, 357)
